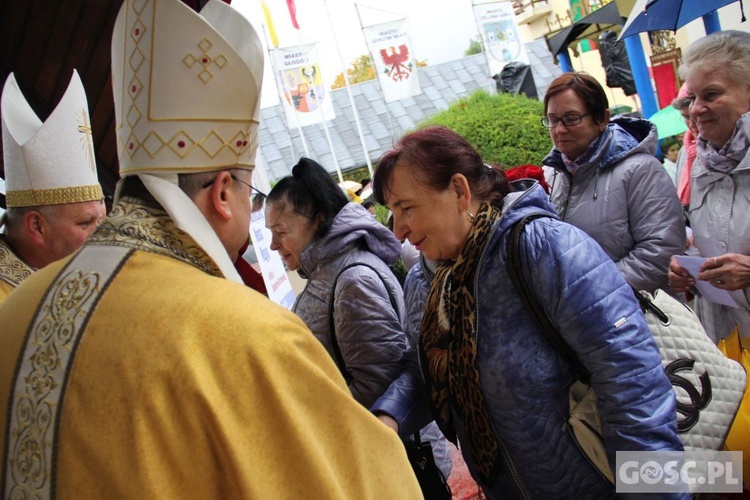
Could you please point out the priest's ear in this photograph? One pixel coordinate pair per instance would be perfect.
(35, 224)
(215, 201)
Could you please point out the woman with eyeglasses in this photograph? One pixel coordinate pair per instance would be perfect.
(606, 180)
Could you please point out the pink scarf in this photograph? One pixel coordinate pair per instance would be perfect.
(683, 188)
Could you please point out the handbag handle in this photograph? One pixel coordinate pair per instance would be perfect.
(339, 358)
(647, 305)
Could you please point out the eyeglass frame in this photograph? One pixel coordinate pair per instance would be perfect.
(258, 192)
(553, 123)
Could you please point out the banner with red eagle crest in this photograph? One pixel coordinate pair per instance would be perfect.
(306, 101)
(391, 52)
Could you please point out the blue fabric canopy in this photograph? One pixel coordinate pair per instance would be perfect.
(653, 15)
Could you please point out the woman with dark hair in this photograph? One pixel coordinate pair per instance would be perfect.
(606, 180)
(492, 378)
(344, 254)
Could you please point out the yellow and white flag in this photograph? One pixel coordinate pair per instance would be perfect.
(269, 23)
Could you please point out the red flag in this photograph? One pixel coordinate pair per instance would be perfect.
(292, 13)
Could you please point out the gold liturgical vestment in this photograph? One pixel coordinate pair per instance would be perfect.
(12, 269)
(180, 384)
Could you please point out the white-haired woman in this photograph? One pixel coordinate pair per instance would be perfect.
(717, 72)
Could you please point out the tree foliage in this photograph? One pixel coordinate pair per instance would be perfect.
(505, 128)
(361, 70)
(475, 47)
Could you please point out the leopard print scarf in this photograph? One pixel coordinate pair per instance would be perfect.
(449, 345)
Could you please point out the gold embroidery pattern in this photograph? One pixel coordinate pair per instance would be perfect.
(54, 196)
(131, 224)
(87, 142)
(205, 60)
(12, 269)
(39, 384)
(183, 144)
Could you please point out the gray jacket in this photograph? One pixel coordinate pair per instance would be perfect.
(719, 204)
(623, 198)
(369, 332)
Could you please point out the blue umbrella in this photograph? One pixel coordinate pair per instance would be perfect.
(652, 15)
(668, 121)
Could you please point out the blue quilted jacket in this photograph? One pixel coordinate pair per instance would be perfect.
(525, 380)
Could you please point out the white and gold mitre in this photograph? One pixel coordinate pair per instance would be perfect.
(186, 87)
(48, 163)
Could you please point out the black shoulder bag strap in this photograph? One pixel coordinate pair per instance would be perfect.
(527, 297)
(332, 325)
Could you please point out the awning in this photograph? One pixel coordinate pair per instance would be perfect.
(607, 17)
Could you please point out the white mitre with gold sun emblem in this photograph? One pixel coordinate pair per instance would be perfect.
(48, 163)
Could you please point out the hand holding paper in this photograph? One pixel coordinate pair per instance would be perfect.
(693, 266)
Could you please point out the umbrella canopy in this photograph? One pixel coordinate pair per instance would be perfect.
(668, 122)
(652, 15)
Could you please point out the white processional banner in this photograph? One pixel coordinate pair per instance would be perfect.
(306, 100)
(277, 282)
(502, 43)
(391, 51)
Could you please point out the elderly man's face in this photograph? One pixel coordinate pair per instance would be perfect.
(68, 227)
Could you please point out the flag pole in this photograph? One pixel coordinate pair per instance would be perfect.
(372, 61)
(323, 117)
(349, 91)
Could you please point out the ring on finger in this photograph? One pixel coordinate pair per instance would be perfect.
(719, 281)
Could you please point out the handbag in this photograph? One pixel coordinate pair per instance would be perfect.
(431, 480)
(708, 387)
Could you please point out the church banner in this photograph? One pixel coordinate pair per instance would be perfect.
(393, 56)
(306, 101)
(502, 42)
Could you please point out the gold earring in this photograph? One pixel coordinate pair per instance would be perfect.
(469, 217)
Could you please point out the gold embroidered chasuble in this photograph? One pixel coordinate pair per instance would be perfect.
(181, 384)
(12, 269)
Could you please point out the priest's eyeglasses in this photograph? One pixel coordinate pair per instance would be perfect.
(257, 197)
(567, 120)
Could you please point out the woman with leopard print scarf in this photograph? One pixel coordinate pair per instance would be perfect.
(493, 381)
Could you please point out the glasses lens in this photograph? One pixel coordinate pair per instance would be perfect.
(570, 120)
(547, 122)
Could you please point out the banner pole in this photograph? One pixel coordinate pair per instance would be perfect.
(349, 91)
(322, 112)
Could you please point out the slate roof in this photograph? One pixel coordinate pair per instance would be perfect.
(382, 123)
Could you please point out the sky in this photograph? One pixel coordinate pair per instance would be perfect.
(440, 30)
